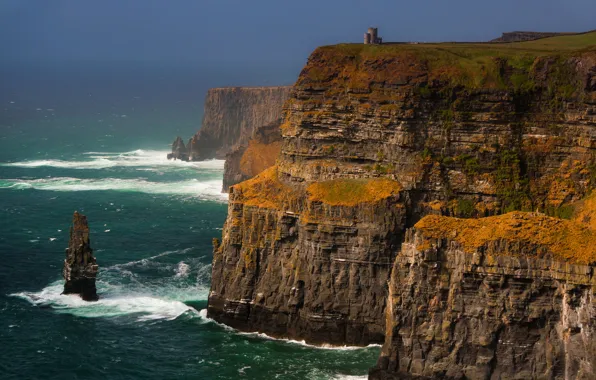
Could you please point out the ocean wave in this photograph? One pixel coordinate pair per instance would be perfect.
(124, 290)
(208, 190)
(152, 159)
(146, 306)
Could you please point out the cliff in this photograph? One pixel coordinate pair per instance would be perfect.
(377, 136)
(505, 297)
(231, 116)
(80, 267)
(246, 161)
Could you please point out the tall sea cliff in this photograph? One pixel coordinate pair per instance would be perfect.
(231, 116)
(375, 138)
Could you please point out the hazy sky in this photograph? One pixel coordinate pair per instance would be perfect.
(255, 32)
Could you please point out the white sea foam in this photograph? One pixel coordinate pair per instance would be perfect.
(124, 291)
(203, 315)
(209, 189)
(303, 343)
(182, 270)
(146, 306)
(137, 158)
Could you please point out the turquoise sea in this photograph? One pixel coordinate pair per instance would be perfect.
(97, 144)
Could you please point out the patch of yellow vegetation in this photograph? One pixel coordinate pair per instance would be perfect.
(264, 190)
(350, 192)
(585, 211)
(566, 240)
(258, 157)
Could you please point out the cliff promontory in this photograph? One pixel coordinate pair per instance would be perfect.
(504, 297)
(375, 137)
(230, 117)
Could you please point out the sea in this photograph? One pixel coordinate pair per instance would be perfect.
(94, 139)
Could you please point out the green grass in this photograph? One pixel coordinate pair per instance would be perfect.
(472, 65)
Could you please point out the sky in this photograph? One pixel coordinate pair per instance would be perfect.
(265, 33)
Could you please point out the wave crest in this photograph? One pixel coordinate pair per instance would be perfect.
(136, 158)
(206, 190)
(126, 289)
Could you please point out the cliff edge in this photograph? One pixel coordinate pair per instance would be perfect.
(375, 137)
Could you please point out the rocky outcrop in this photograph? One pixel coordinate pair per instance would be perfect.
(507, 297)
(231, 116)
(80, 267)
(179, 151)
(375, 138)
(246, 161)
(307, 263)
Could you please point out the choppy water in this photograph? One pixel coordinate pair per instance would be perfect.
(152, 222)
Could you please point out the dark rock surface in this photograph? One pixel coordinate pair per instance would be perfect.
(80, 267)
(179, 150)
(506, 307)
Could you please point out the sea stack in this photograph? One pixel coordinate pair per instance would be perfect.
(80, 267)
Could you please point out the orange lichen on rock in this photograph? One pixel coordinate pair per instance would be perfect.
(535, 234)
(585, 211)
(350, 192)
(264, 190)
(258, 157)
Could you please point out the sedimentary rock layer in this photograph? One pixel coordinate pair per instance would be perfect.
(80, 267)
(246, 161)
(231, 116)
(507, 297)
(461, 130)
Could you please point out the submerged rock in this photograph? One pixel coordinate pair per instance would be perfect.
(80, 267)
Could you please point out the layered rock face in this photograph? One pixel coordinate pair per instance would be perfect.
(301, 263)
(231, 116)
(80, 268)
(462, 130)
(246, 161)
(507, 297)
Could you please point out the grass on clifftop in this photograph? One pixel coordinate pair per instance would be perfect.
(350, 192)
(472, 65)
(566, 240)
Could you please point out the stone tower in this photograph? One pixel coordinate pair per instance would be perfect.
(372, 37)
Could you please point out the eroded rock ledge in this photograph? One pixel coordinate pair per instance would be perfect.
(507, 297)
